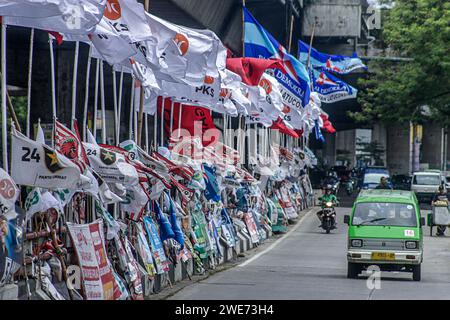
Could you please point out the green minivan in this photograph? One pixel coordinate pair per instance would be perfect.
(385, 229)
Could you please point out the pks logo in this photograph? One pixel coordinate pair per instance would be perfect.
(266, 85)
(113, 11)
(182, 43)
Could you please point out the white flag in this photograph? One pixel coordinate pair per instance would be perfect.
(8, 195)
(35, 164)
(66, 16)
(180, 52)
(40, 201)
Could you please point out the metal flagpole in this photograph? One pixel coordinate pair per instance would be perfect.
(119, 110)
(116, 119)
(97, 71)
(52, 66)
(4, 115)
(171, 119)
(146, 132)
(162, 122)
(130, 128)
(141, 109)
(86, 97)
(74, 82)
(30, 73)
(102, 102)
(180, 113)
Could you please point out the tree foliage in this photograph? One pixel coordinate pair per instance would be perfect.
(397, 90)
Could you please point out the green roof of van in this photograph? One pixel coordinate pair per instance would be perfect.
(383, 195)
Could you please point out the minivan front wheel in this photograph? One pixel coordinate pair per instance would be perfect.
(416, 273)
(353, 270)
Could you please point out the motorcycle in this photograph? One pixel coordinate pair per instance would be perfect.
(328, 216)
(349, 187)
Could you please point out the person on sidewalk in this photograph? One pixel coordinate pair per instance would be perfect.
(440, 195)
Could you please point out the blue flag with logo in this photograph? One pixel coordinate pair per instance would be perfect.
(319, 135)
(261, 44)
(330, 88)
(212, 191)
(178, 234)
(329, 62)
(165, 228)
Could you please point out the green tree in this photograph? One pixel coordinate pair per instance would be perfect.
(397, 91)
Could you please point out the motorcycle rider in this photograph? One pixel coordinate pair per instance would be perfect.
(441, 194)
(383, 184)
(327, 197)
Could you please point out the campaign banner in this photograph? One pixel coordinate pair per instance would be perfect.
(157, 248)
(8, 195)
(251, 226)
(98, 279)
(11, 250)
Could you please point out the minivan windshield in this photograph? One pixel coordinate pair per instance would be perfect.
(385, 214)
(374, 177)
(427, 180)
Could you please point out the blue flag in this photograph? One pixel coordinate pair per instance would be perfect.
(179, 237)
(330, 88)
(212, 191)
(318, 132)
(165, 229)
(261, 44)
(328, 62)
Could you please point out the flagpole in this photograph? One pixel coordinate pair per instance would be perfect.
(116, 119)
(240, 142)
(102, 102)
(171, 118)
(180, 113)
(141, 105)
(4, 88)
(52, 66)
(86, 98)
(146, 131)
(130, 128)
(291, 31)
(119, 112)
(162, 122)
(97, 71)
(74, 82)
(30, 73)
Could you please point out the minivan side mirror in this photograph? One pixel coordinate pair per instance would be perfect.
(347, 219)
(422, 221)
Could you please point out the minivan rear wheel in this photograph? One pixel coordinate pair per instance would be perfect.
(416, 273)
(353, 270)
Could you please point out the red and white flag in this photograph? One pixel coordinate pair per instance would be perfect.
(69, 144)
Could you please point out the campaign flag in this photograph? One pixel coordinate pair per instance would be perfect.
(156, 245)
(331, 89)
(135, 201)
(281, 126)
(8, 195)
(178, 234)
(327, 125)
(128, 19)
(261, 44)
(185, 54)
(195, 121)
(68, 144)
(40, 201)
(66, 16)
(329, 62)
(165, 228)
(110, 165)
(252, 72)
(36, 164)
(318, 132)
(98, 278)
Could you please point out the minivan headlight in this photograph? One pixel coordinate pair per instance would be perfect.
(356, 243)
(411, 244)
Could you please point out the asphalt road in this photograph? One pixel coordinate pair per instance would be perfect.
(309, 264)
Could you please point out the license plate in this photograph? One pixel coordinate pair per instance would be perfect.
(383, 256)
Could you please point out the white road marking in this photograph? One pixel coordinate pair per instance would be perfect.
(276, 243)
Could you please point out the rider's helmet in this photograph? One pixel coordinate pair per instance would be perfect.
(328, 188)
(441, 188)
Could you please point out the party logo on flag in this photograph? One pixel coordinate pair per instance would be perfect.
(266, 85)
(51, 160)
(69, 148)
(182, 43)
(113, 11)
(107, 157)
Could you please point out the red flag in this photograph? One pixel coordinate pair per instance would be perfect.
(197, 121)
(281, 126)
(68, 143)
(327, 125)
(251, 69)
